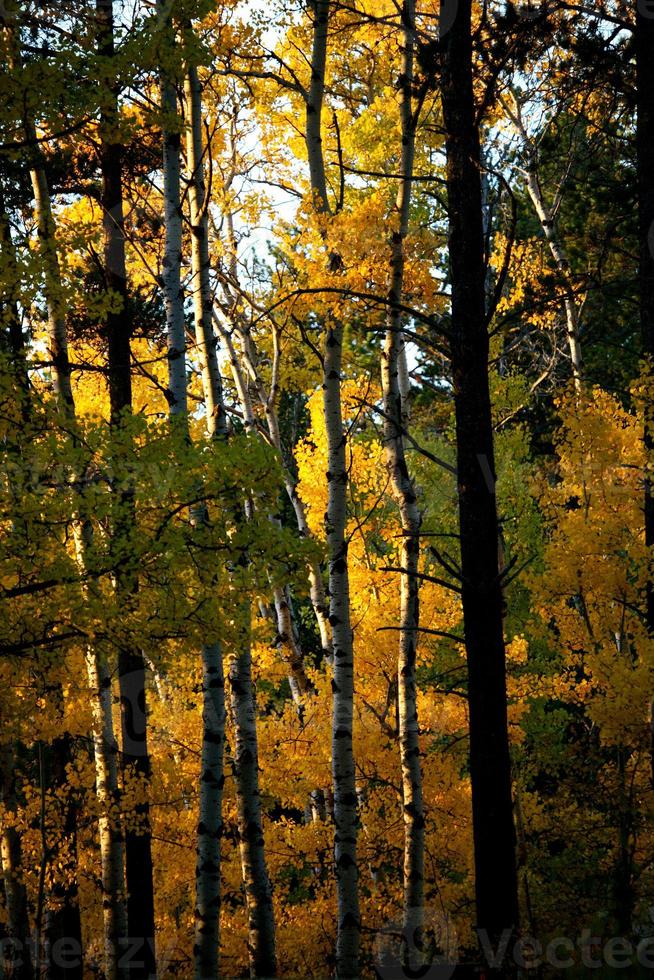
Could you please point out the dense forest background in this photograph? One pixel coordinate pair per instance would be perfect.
(326, 511)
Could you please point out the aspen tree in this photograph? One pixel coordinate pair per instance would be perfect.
(343, 767)
(105, 747)
(395, 421)
(131, 666)
(261, 926)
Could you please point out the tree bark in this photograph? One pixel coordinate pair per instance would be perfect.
(346, 825)
(64, 922)
(104, 743)
(205, 338)
(395, 420)
(547, 219)
(172, 259)
(645, 173)
(258, 891)
(105, 752)
(490, 765)
(644, 43)
(131, 667)
(210, 822)
(255, 875)
(343, 769)
(19, 960)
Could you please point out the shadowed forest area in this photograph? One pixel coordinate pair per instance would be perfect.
(326, 489)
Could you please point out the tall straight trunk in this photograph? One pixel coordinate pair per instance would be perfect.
(343, 769)
(105, 752)
(490, 764)
(19, 958)
(210, 823)
(57, 340)
(258, 891)
(261, 946)
(172, 260)
(210, 819)
(131, 667)
(395, 417)
(98, 672)
(12, 343)
(346, 824)
(205, 338)
(644, 39)
(645, 172)
(64, 922)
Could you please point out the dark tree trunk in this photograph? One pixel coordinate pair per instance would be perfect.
(12, 342)
(17, 952)
(490, 766)
(64, 929)
(131, 670)
(645, 168)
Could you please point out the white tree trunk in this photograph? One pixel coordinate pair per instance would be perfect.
(547, 218)
(210, 821)
(262, 945)
(205, 338)
(395, 421)
(343, 771)
(258, 891)
(105, 747)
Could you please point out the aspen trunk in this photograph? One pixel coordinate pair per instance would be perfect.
(210, 823)
(205, 338)
(548, 224)
(98, 673)
(105, 752)
(317, 594)
(210, 820)
(258, 892)
(261, 948)
(290, 651)
(490, 766)
(12, 342)
(547, 219)
(343, 771)
(395, 420)
(131, 667)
